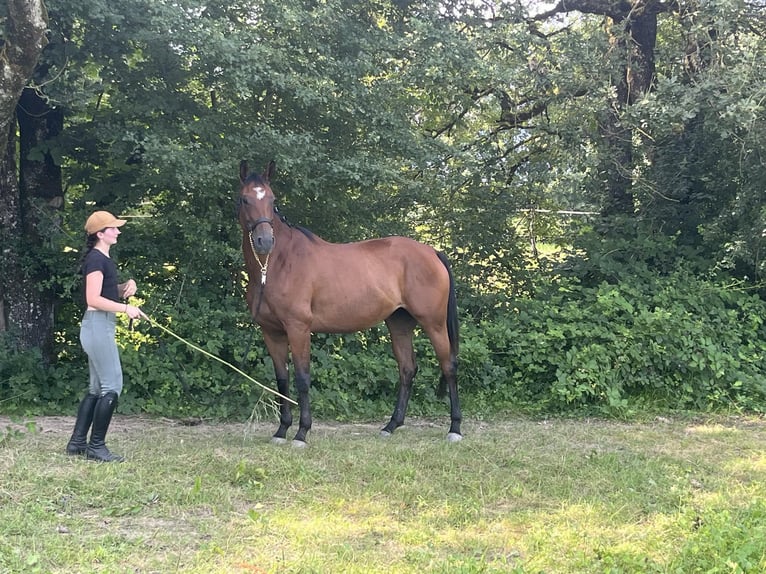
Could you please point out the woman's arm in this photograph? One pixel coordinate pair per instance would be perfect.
(93, 283)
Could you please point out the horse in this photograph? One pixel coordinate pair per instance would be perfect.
(299, 283)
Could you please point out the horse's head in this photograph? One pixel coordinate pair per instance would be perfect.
(255, 207)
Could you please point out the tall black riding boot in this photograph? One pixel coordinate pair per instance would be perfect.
(102, 416)
(79, 441)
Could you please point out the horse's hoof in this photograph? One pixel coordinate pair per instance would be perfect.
(384, 434)
(454, 437)
(299, 444)
(278, 440)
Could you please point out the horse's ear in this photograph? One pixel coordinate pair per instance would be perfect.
(271, 169)
(242, 171)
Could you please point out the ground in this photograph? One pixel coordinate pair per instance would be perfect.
(129, 423)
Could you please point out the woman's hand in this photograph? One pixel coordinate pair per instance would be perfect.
(128, 289)
(134, 312)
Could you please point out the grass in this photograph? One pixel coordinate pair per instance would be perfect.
(520, 496)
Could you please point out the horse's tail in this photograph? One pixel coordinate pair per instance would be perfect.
(453, 326)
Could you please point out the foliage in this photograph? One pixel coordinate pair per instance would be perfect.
(620, 328)
(636, 337)
(476, 127)
(628, 337)
(23, 376)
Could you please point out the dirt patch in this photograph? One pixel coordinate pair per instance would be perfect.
(140, 424)
(63, 425)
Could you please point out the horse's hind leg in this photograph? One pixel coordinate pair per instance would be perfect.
(448, 380)
(277, 346)
(401, 326)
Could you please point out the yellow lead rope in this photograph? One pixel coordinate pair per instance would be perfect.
(204, 352)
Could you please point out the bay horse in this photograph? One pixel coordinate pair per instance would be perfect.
(300, 283)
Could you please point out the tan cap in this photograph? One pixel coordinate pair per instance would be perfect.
(101, 220)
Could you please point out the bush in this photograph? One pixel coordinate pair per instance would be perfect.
(679, 340)
(671, 339)
(23, 378)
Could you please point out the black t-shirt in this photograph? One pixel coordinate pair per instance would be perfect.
(97, 261)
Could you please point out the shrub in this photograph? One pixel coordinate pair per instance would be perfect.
(672, 339)
(684, 341)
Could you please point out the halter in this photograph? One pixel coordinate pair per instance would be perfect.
(257, 222)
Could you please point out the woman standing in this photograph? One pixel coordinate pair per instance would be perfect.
(97, 336)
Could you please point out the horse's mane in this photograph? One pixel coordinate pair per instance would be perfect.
(307, 232)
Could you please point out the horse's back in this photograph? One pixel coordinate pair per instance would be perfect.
(393, 258)
(398, 269)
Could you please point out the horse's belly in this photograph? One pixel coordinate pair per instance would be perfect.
(351, 317)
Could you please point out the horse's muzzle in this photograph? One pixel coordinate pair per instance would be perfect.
(262, 239)
(261, 244)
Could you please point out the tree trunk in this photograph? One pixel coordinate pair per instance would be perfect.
(633, 33)
(637, 43)
(615, 165)
(41, 199)
(21, 311)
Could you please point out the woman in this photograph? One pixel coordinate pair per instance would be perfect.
(97, 335)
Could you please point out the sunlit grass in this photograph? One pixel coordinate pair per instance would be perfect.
(514, 496)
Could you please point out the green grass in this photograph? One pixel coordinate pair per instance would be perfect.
(522, 495)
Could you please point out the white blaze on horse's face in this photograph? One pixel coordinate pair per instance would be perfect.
(257, 215)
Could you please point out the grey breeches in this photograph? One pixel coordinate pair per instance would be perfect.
(97, 336)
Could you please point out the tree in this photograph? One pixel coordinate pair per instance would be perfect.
(631, 28)
(704, 174)
(558, 59)
(648, 112)
(467, 124)
(26, 309)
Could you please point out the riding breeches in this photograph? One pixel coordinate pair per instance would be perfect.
(97, 336)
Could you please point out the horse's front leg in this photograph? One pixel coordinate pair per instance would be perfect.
(276, 343)
(300, 348)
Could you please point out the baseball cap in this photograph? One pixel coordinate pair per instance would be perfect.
(101, 220)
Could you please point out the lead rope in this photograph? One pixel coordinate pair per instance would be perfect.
(220, 360)
(264, 269)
